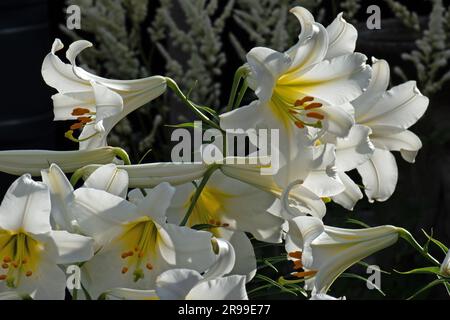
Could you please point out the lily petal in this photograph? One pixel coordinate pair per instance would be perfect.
(379, 175)
(377, 86)
(175, 284)
(60, 194)
(406, 142)
(355, 149)
(228, 288)
(342, 37)
(399, 108)
(313, 41)
(336, 81)
(72, 248)
(267, 65)
(26, 206)
(110, 179)
(351, 195)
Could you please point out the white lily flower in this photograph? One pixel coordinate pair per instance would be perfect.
(18, 162)
(220, 205)
(325, 252)
(107, 178)
(93, 99)
(136, 244)
(445, 266)
(388, 114)
(187, 284)
(300, 92)
(30, 250)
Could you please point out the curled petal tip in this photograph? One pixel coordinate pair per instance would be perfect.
(57, 45)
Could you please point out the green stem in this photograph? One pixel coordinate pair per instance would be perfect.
(406, 235)
(258, 289)
(176, 89)
(76, 176)
(199, 190)
(241, 94)
(123, 155)
(239, 74)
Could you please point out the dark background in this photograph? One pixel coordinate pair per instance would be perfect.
(422, 198)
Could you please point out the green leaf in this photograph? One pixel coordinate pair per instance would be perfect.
(357, 222)
(425, 270)
(443, 247)
(358, 277)
(365, 264)
(267, 263)
(297, 288)
(182, 125)
(274, 283)
(209, 110)
(428, 287)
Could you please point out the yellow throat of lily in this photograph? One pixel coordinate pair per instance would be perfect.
(208, 209)
(139, 241)
(20, 255)
(301, 112)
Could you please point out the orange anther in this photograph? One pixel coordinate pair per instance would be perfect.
(15, 264)
(141, 254)
(296, 254)
(304, 274)
(292, 111)
(315, 115)
(24, 260)
(299, 124)
(7, 259)
(149, 266)
(3, 277)
(303, 101)
(313, 106)
(124, 255)
(76, 126)
(298, 264)
(29, 273)
(124, 270)
(80, 111)
(225, 225)
(5, 266)
(85, 119)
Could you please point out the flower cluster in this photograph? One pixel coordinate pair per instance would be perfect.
(179, 230)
